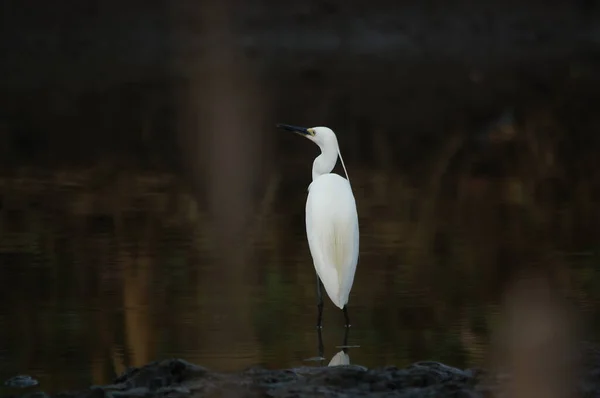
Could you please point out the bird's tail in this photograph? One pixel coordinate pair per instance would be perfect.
(340, 300)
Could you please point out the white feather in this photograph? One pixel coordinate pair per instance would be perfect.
(333, 236)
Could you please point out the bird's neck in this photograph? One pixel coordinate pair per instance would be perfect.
(325, 162)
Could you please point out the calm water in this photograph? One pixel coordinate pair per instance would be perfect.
(100, 274)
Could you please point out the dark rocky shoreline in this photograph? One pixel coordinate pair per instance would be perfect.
(177, 378)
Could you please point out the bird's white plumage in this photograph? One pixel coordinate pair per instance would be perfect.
(331, 219)
(333, 236)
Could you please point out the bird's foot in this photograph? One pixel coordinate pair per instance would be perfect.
(347, 326)
(319, 326)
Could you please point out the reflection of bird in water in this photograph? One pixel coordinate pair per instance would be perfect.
(331, 221)
(341, 358)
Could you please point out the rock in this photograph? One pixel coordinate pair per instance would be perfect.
(37, 394)
(21, 381)
(176, 378)
(111, 387)
(160, 374)
(173, 391)
(131, 393)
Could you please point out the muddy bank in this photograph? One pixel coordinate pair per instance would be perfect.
(177, 378)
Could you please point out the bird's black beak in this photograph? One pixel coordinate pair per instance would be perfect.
(296, 129)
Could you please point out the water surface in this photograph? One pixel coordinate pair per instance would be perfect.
(97, 277)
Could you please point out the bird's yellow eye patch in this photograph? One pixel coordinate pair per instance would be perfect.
(311, 131)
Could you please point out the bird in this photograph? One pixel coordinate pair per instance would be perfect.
(331, 221)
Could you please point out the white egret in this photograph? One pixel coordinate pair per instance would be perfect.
(331, 221)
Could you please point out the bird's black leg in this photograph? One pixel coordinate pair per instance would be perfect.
(346, 316)
(345, 342)
(319, 302)
(320, 348)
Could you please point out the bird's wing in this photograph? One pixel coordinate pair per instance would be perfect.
(351, 259)
(332, 231)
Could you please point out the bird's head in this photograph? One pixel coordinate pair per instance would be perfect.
(322, 136)
(325, 138)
